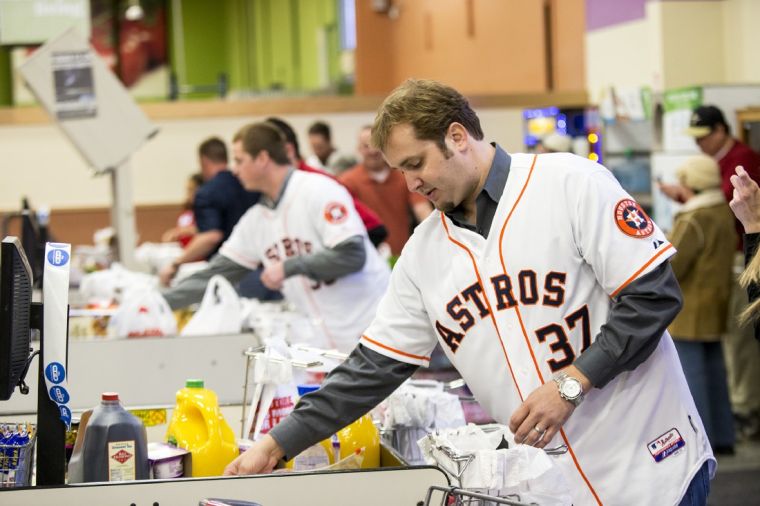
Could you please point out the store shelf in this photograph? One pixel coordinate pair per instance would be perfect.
(268, 106)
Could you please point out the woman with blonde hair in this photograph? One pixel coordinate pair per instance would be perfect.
(746, 206)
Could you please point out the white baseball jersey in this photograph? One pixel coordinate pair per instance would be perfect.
(511, 310)
(314, 213)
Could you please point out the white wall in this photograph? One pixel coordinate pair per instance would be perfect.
(693, 41)
(619, 56)
(742, 40)
(684, 43)
(39, 162)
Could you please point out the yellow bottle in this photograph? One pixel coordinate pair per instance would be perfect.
(360, 434)
(198, 426)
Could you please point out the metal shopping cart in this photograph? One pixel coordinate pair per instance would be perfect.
(16, 461)
(454, 463)
(453, 496)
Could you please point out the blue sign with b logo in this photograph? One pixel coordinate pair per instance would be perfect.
(59, 395)
(65, 415)
(55, 372)
(58, 257)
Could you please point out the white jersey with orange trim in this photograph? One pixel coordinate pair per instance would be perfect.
(314, 213)
(513, 309)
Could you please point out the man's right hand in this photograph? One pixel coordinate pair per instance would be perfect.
(261, 458)
(167, 273)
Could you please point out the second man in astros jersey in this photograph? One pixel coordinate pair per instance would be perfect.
(548, 288)
(307, 235)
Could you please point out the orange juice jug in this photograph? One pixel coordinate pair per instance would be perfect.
(360, 434)
(199, 427)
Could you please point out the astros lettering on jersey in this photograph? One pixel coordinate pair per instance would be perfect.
(314, 213)
(511, 310)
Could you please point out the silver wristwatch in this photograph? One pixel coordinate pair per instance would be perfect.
(570, 388)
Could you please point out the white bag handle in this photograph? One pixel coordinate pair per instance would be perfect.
(220, 310)
(218, 291)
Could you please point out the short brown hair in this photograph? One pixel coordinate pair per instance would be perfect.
(214, 149)
(320, 128)
(429, 107)
(258, 137)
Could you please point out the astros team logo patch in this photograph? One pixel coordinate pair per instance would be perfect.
(335, 213)
(632, 220)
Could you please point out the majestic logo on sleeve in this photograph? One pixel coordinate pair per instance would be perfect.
(335, 213)
(632, 220)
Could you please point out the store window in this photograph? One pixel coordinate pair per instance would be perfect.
(130, 36)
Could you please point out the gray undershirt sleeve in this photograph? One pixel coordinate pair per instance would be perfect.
(190, 290)
(637, 320)
(344, 258)
(359, 384)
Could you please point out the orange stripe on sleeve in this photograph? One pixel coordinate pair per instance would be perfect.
(643, 267)
(394, 350)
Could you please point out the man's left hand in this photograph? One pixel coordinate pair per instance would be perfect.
(544, 412)
(273, 276)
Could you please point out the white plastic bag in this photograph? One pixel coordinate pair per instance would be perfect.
(113, 283)
(143, 312)
(520, 470)
(220, 311)
(155, 255)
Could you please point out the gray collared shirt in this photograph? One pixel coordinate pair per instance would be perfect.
(488, 198)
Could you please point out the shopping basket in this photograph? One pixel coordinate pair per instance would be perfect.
(472, 491)
(16, 461)
(453, 496)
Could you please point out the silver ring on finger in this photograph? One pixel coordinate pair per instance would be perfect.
(539, 429)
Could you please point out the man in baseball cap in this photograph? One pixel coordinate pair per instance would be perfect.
(704, 121)
(712, 134)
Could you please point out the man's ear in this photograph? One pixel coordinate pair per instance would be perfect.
(263, 157)
(459, 136)
(290, 150)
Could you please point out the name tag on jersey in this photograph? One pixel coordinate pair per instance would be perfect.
(666, 445)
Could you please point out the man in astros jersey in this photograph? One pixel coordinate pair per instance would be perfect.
(307, 235)
(548, 288)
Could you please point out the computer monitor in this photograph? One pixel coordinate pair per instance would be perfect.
(15, 315)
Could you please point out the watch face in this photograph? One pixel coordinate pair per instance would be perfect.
(571, 388)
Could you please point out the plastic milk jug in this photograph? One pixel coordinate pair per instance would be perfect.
(115, 445)
(199, 427)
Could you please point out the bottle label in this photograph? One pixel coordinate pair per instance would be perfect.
(121, 461)
(311, 458)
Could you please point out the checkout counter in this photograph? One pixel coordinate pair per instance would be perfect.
(147, 372)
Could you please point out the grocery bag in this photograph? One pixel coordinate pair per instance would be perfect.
(143, 312)
(113, 283)
(220, 311)
(156, 255)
